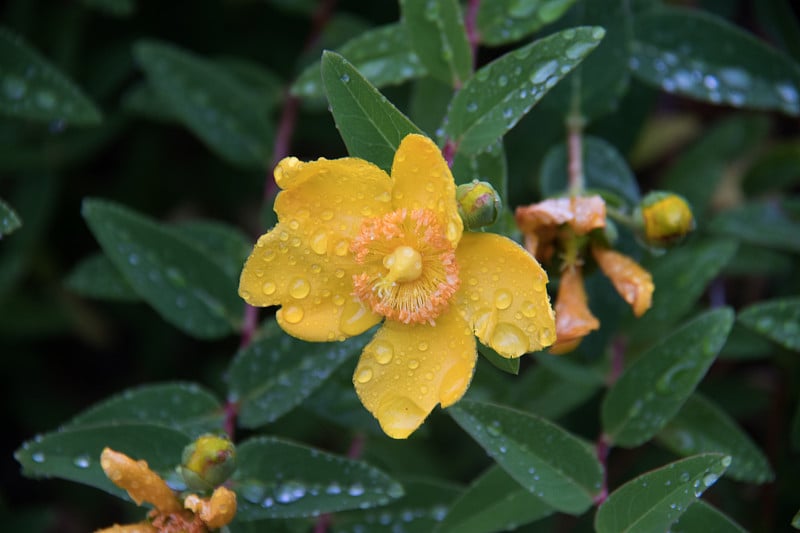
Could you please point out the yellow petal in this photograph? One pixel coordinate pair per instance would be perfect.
(633, 283)
(141, 527)
(216, 511)
(574, 320)
(422, 180)
(141, 483)
(409, 368)
(503, 295)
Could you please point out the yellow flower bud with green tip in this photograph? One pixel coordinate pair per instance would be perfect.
(666, 218)
(479, 204)
(207, 462)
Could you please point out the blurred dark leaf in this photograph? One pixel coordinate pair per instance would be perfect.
(703, 517)
(116, 8)
(767, 224)
(506, 21)
(95, 276)
(778, 320)
(9, 219)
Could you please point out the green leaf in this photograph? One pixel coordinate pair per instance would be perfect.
(703, 517)
(424, 505)
(369, 124)
(745, 344)
(652, 390)
(778, 168)
(32, 88)
(222, 243)
(279, 479)
(96, 276)
(506, 21)
(382, 55)
(701, 426)
(267, 87)
(605, 170)
(796, 520)
(696, 54)
(766, 223)
(74, 454)
(680, 277)
(653, 501)
(9, 219)
(506, 364)
(436, 32)
(277, 372)
(216, 106)
(551, 463)
(184, 407)
(181, 282)
(335, 401)
(116, 8)
(428, 105)
(502, 92)
(778, 320)
(494, 502)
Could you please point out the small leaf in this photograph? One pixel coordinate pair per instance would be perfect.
(185, 407)
(116, 8)
(653, 389)
(186, 287)
(369, 124)
(97, 277)
(696, 54)
(502, 92)
(556, 466)
(382, 55)
(210, 101)
(506, 21)
(33, 88)
(494, 502)
(74, 453)
(9, 219)
(701, 426)
(277, 372)
(777, 319)
(703, 517)
(436, 32)
(605, 170)
(653, 501)
(767, 224)
(279, 479)
(506, 364)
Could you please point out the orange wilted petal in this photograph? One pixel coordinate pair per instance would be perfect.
(141, 527)
(216, 511)
(574, 320)
(633, 283)
(588, 213)
(141, 483)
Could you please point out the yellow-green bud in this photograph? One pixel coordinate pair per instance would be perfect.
(207, 462)
(666, 218)
(478, 204)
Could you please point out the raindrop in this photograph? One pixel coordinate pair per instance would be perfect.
(82, 461)
(413, 364)
(383, 352)
(710, 479)
(289, 492)
(735, 77)
(267, 503)
(502, 81)
(333, 488)
(472, 107)
(509, 340)
(253, 492)
(508, 113)
(357, 489)
(364, 375)
(38, 457)
(503, 299)
(345, 78)
(684, 477)
(569, 34)
(726, 461)
(710, 82)
(299, 288)
(395, 490)
(438, 512)
(133, 259)
(269, 288)
(494, 429)
(292, 314)
(544, 72)
(422, 346)
(787, 92)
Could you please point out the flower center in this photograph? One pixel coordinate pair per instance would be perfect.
(410, 272)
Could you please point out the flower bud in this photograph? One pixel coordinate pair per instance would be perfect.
(207, 462)
(666, 218)
(478, 204)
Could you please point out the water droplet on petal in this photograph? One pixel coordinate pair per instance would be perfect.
(383, 352)
(503, 299)
(413, 364)
(509, 340)
(399, 416)
(269, 288)
(341, 248)
(299, 288)
(319, 242)
(364, 375)
(292, 314)
(355, 318)
(422, 346)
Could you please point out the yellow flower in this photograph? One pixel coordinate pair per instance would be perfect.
(194, 515)
(354, 247)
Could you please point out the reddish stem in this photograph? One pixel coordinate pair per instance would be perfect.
(231, 410)
(617, 360)
(449, 151)
(575, 155)
(603, 447)
(355, 451)
(471, 26)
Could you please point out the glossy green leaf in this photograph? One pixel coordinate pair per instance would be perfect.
(653, 501)
(435, 29)
(32, 88)
(752, 260)
(605, 169)
(703, 517)
(494, 502)
(506, 364)
(222, 243)
(335, 400)
(681, 276)
(277, 372)
(369, 124)
(96, 276)
(185, 407)
(382, 55)
(655, 386)
(777, 319)
(216, 106)
(9, 219)
(744, 344)
(767, 224)
(696, 54)
(551, 463)
(701, 426)
(506, 21)
(267, 87)
(502, 92)
(74, 454)
(181, 282)
(429, 100)
(117, 8)
(280, 479)
(424, 506)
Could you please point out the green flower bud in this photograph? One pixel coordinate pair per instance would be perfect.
(478, 204)
(666, 218)
(207, 462)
